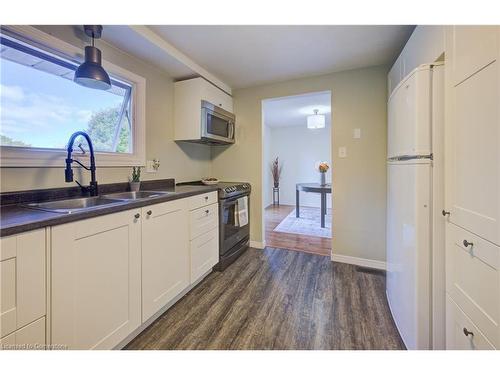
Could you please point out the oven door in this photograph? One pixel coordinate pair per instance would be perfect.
(217, 125)
(230, 233)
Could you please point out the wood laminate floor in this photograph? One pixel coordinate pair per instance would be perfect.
(310, 244)
(279, 299)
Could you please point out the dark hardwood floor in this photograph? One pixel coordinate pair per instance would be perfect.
(279, 299)
(310, 244)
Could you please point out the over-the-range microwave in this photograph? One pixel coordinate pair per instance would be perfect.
(217, 124)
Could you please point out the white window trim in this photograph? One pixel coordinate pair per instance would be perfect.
(33, 157)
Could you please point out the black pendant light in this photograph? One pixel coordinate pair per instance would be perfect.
(91, 73)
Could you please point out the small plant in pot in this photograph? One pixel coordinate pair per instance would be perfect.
(276, 172)
(135, 179)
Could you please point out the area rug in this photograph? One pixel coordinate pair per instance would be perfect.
(309, 223)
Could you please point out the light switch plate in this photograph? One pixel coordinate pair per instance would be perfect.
(357, 133)
(150, 166)
(342, 152)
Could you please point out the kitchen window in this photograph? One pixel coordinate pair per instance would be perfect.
(41, 106)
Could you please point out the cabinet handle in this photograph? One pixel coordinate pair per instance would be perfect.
(206, 198)
(445, 212)
(149, 212)
(137, 216)
(467, 332)
(207, 211)
(467, 243)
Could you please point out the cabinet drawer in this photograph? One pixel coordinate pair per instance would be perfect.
(31, 336)
(473, 279)
(163, 208)
(457, 325)
(202, 200)
(22, 280)
(203, 220)
(204, 253)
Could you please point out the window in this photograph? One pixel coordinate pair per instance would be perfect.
(41, 106)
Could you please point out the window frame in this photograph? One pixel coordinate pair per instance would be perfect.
(46, 157)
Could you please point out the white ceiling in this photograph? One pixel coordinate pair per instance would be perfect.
(244, 56)
(293, 110)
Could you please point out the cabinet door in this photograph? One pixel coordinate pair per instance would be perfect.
(474, 155)
(218, 97)
(474, 47)
(22, 281)
(96, 281)
(165, 254)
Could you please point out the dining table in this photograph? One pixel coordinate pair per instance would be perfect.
(309, 187)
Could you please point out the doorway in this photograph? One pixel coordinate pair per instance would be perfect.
(297, 172)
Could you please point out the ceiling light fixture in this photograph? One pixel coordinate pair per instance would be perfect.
(91, 73)
(315, 121)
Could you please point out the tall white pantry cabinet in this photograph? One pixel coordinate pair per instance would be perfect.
(472, 169)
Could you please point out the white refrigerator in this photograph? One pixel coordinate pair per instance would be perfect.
(415, 226)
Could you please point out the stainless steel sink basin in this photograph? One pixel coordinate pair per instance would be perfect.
(74, 205)
(134, 195)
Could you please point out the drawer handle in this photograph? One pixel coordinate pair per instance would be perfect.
(445, 212)
(467, 332)
(207, 211)
(206, 198)
(467, 243)
(137, 216)
(149, 212)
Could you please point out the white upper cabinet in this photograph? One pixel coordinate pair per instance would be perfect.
(425, 46)
(474, 47)
(22, 281)
(96, 280)
(165, 254)
(473, 132)
(187, 106)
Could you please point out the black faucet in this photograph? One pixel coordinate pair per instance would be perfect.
(68, 173)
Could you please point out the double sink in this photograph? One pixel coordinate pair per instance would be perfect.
(68, 206)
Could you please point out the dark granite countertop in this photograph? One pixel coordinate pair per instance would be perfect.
(15, 218)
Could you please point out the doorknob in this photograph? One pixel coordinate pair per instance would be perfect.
(445, 212)
(467, 332)
(149, 212)
(467, 243)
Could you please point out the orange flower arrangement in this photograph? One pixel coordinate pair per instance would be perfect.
(323, 167)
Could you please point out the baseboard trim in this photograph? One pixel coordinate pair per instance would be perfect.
(258, 244)
(363, 262)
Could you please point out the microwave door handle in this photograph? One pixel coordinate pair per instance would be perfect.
(231, 130)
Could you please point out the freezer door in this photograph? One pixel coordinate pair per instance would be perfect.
(409, 123)
(408, 250)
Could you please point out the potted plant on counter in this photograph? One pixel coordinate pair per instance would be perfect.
(135, 179)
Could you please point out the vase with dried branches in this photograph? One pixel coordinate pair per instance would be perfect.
(276, 172)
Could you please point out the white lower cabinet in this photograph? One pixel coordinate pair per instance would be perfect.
(112, 273)
(461, 333)
(165, 254)
(22, 288)
(30, 337)
(96, 281)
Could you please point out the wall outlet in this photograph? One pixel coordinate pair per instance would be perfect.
(342, 152)
(357, 133)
